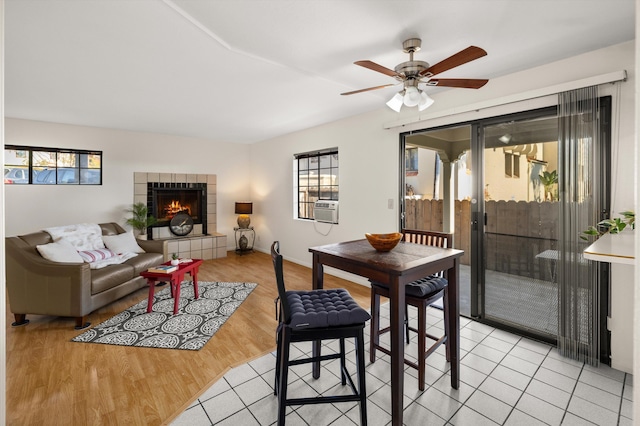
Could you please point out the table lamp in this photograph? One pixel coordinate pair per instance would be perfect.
(243, 210)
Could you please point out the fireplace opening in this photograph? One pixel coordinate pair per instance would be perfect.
(167, 202)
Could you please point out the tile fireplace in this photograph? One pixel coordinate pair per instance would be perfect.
(166, 200)
(169, 193)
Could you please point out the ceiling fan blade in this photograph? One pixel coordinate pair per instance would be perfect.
(468, 83)
(376, 67)
(367, 89)
(467, 55)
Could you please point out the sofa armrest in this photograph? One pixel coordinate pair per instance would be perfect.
(36, 285)
(153, 246)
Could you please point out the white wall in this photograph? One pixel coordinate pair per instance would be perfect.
(369, 159)
(635, 289)
(3, 330)
(30, 208)
(369, 164)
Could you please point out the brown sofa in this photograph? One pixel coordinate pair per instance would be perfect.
(42, 287)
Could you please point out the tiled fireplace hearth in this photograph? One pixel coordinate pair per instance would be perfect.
(204, 242)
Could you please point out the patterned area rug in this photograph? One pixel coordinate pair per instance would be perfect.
(191, 328)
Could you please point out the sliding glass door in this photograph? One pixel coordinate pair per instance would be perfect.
(494, 184)
(518, 280)
(436, 192)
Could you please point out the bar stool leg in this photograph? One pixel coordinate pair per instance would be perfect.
(362, 388)
(278, 355)
(422, 343)
(374, 333)
(343, 376)
(285, 341)
(406, 321)
(445, 312)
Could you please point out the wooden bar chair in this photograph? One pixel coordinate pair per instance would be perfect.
(323, 314)
(420, 294)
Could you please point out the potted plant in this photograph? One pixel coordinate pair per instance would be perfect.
(614, 225)
(140, 219)
(549, 180)
(174, 259)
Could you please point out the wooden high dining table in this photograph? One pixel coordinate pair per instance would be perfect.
(405, 263)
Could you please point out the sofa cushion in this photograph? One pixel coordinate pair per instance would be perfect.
(112, 276)
(144, 261)
(122, 243)
(60, 251)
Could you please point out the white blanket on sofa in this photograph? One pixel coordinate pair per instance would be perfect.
(86, 237)
(118, 258)
(83, 236)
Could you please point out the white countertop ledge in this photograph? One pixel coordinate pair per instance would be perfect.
(617, 248)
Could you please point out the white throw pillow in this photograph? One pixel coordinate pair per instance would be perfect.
(122, 243)
(61, 251)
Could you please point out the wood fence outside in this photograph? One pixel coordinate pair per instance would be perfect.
(516, 231)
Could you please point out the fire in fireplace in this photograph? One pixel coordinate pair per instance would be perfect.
(168, 200)
(174, 206)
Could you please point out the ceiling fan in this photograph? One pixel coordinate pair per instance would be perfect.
(412, 73)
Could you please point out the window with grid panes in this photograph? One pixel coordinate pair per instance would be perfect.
(51, 166)
(317, 179)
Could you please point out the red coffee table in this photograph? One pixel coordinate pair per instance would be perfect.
(174, 278)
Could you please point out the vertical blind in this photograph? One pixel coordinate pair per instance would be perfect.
(580, 204)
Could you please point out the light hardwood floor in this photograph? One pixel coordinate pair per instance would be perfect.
(53, 381)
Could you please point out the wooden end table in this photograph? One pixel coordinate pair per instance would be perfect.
(174, 278)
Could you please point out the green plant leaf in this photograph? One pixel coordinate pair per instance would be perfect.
(612, 225)
(140, 218)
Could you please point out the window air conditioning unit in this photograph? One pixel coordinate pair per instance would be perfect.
(325, 211)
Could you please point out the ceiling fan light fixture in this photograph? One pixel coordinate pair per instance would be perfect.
(425, 101)
(411, 73)
(411, 96)
(395, 103)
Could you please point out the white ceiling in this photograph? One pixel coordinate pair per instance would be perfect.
(249, 70)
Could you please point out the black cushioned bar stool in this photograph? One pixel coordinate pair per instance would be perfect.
(317, 315)
(420, 294)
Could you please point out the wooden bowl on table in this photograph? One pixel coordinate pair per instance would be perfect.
(384, 242)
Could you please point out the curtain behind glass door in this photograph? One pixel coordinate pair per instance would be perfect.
(581, 202)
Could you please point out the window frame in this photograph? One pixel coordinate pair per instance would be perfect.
(81, 176)
(305, 204)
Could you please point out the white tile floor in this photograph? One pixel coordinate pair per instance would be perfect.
(505, 379)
